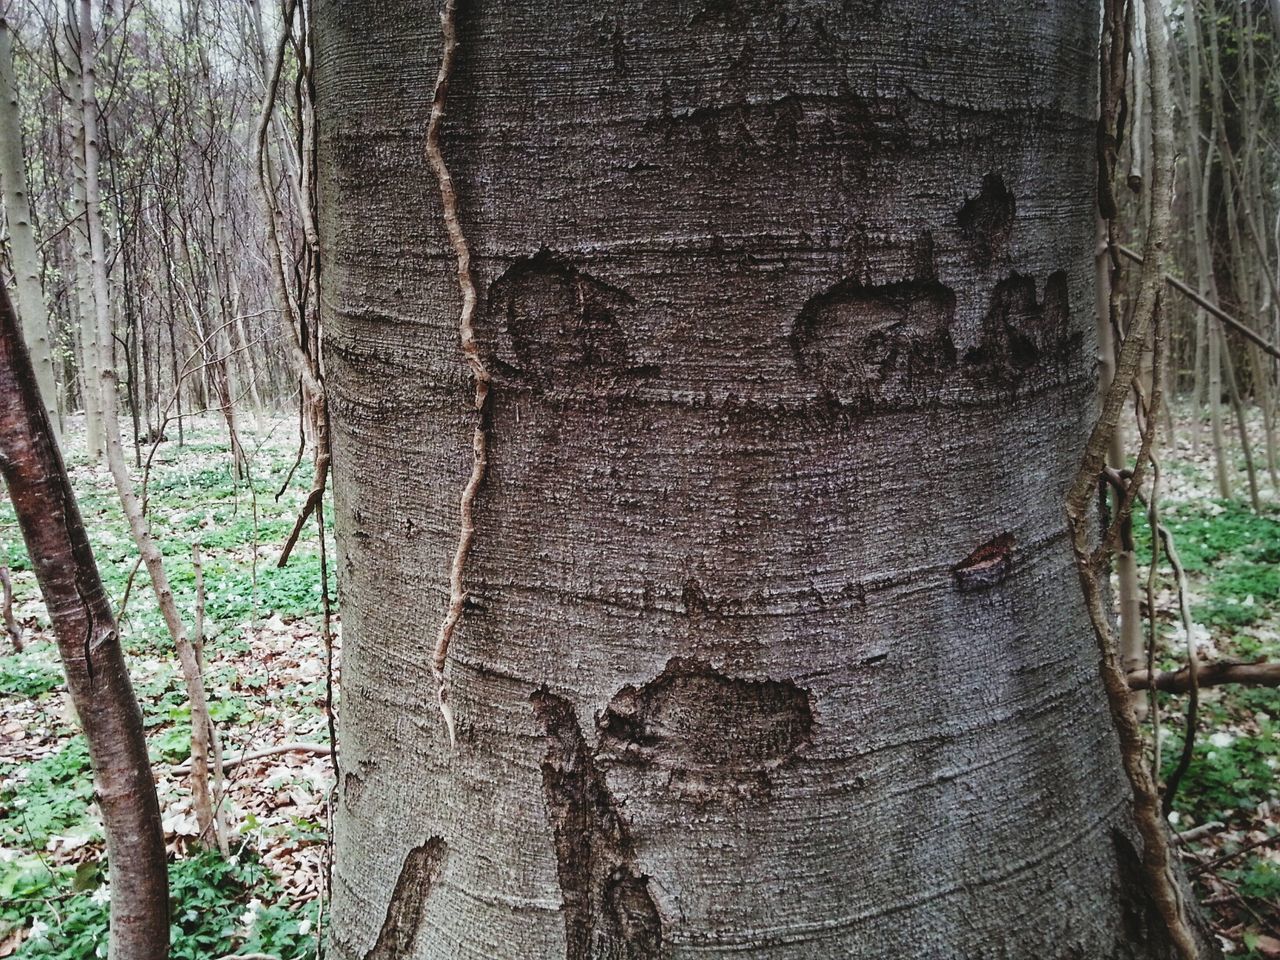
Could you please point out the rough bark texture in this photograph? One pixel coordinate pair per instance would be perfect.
(773, 644)
(91, 656)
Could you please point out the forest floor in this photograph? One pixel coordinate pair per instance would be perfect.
(266, 671)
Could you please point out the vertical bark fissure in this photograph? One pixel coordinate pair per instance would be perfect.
(609, 913)
(405, 911)
(471, 353)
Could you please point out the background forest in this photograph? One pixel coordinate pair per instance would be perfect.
(157, 168)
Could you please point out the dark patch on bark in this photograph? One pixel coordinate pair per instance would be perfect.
(878, 346)
(716, 734)
(694, 600)
(553, 326)
(986, 220)
(842, 126)
(1139, 917)
(618, 45)
(1021, 335)
(987, 566)
(609, 913)
(352, 789)
(422, 868)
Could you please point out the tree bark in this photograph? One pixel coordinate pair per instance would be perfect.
(773, 643)
(91, 656)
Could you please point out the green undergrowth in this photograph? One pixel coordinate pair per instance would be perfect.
(217, 906)
(53, 892)
(1231, 556)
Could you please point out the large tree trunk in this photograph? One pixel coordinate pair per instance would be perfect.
(773, 645)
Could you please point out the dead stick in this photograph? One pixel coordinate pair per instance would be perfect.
(1209, 306)
(321, 749)
(1260, 674)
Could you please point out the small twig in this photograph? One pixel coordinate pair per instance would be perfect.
(123, 605)
(1193, 674)
(1227, 857)
(321, 749)
(197, 635)
(1197, 833)
(11, 626)
(1153, 701)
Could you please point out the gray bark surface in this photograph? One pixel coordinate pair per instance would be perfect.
(773, 645)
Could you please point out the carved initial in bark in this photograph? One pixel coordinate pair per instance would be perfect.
(608, 911)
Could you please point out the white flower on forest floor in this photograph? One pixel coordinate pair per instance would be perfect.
(250, 915)
(304, 927)
(102, 894)
(39, 929)
(1221, 739)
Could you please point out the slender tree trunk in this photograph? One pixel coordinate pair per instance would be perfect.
(1132, 645)
(1221, 452)
(203, 737)
(1242, 425)
(772, 645)
(90, 348)
(22, 239)
(89, 645)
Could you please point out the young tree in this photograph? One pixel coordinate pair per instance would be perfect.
(92, 659)
(22, 239)
(775, 330)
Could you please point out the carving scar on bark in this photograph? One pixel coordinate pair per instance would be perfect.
(422, 868)
(723, 735)
(608, 910)
(986, 220)
(716, 734)
(990, 564)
